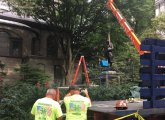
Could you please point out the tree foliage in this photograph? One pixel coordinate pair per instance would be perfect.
(32, 75)
(87, 24)
(17, 101)
(19, 98)
(157, 28)
(74, 18)
(159, 22)
(138, 13)
(78, 17)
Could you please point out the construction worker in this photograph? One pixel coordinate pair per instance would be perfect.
(76, 104)
(47, 108)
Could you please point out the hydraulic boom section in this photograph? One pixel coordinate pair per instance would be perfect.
(129, 31)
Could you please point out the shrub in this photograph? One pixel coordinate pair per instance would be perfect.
(114, 92)
(103, 93)
(18, 100)
(32, 75)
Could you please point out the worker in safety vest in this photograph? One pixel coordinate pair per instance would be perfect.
(76, 104)
(47, 108)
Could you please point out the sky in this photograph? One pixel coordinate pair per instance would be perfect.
(89, 0)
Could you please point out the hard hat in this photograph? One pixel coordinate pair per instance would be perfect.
(121, 105)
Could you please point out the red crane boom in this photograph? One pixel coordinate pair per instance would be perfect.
(128, 30)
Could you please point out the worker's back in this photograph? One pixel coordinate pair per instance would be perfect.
(46, 109)
(76, 107)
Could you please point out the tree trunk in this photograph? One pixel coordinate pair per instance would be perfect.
(63, 42)
(68, 61)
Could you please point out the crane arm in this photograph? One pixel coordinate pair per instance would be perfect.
(128, 30)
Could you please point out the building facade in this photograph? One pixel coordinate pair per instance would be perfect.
(23, 40)
(159, 7)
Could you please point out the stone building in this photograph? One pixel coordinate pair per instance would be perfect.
(159, 7)
(25, 40)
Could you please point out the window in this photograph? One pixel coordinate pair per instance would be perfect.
(16, 47)
(10, 46)
(4, 43)
(52, 46)
(59, 74)
(35, 47)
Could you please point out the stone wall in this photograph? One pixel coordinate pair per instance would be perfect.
(40, 61)
(54, 68)
(10, 65)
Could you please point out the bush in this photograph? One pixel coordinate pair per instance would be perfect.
(32, 75)
(114, 92)
(18, 100)
(103, 93)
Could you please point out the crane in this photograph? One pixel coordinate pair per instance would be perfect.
(128, 30)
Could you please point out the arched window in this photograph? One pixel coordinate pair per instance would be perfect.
(52, 46)
(10, 46)
(35, 49)
(4, 43)
(16, 47)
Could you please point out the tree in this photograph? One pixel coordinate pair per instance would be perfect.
(85, 25)
(73, 18)
(157, 28)
(138, 13)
